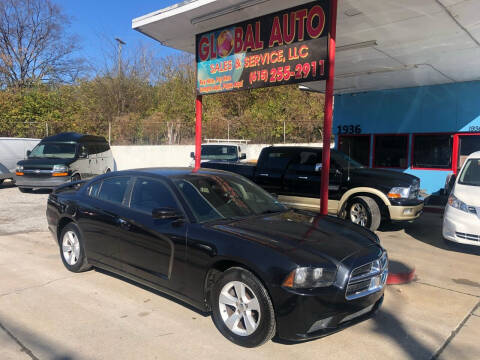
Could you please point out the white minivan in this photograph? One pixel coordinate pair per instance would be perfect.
(461, 221)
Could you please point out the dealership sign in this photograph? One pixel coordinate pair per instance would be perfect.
(286, 47)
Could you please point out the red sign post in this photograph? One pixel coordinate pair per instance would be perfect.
(328, 117)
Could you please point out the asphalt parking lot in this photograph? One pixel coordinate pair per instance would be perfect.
(47, 312)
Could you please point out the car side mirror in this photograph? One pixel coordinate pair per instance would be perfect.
(318, 167)
(449, 183)
(166, 214)
(192, 155)
(243, 156)
(83, 155)
(28, 153)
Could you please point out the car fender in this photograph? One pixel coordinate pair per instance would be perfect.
(362, 190)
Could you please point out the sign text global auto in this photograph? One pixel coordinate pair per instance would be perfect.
(286, 47)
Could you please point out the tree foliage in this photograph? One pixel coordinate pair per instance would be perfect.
(34, 46)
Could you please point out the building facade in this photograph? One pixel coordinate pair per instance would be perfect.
(425, 131)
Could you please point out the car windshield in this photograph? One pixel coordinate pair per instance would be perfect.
(213, 197)
(54, 150)
(471, 173)
(219, 152)
(345, 161)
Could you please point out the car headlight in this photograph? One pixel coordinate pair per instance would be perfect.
(310, 277)
(457, 204)
(60, 168)
(399, 193)
(19, 170)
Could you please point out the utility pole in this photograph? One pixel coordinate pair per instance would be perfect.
(120, 42)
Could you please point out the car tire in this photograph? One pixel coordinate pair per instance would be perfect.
(247, 320)
(72, 249)
(25, 190)
(364, 211)
(76, 177)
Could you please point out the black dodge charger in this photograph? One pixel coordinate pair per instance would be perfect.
(222, 244)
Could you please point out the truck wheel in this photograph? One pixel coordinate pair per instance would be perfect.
(25, 190)
(76, 177)
(365, 212)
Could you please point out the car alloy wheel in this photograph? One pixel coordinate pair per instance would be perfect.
(239, 308)
(72, 251)
(358, 214)
(71, 248)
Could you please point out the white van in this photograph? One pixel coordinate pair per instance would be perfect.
(12, 150)
(461, 221)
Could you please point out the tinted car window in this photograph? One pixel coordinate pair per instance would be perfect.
(276, 160)
(113, 189)
(149, 194)
(306, 161)
(93, 189)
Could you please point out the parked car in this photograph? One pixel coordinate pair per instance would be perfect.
(219, 242)
(232, 151)
(461, 220)
(63, 158)
(13, 150)
(362, 195)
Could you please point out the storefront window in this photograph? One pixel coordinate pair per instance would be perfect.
(391, 151)
(432, 151)
(357, 147)
(468, 144)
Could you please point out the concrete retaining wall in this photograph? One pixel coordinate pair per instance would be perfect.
(134, 157)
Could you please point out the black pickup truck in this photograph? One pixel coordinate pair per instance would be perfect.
(363, 195)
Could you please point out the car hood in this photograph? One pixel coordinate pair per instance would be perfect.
(293, 231)
(393, 178)
(43, 163)
(468, 194)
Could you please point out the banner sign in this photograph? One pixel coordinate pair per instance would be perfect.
(287, 47)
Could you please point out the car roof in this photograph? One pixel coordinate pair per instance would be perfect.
(74, 137)
(222, 144)
(474, 155)
(174, 172)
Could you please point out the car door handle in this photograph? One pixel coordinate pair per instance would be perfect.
(123, 223)
(303, 177)
(263, 175)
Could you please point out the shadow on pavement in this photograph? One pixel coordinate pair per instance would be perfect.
(25, 339)
(152, 290)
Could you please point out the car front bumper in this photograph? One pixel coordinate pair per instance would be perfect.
(45, 182)
(304, 317)
(461, 227)
(405, 212)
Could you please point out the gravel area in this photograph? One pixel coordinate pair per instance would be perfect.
(21, 213)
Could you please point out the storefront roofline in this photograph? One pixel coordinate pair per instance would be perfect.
(381, 45)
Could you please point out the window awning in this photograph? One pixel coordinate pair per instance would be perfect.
(380, 44)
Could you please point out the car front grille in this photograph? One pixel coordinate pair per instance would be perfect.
(465, 236)
(368, 278)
